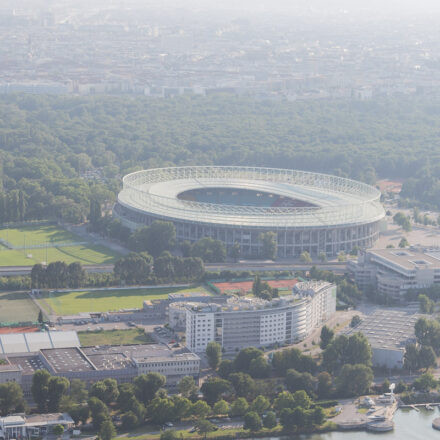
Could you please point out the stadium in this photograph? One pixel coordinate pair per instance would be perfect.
(308, 211)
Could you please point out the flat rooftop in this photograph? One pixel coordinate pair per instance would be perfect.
(178, 295)
(110, 361)
(410, 259)
(28, 363)
(392, 329)
(8, 366)
(245, 303)
(137, 352)
(51, 418)
(34, 341)
(65, 360)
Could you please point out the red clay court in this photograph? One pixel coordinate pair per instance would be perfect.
(23, 329)
(244, 287)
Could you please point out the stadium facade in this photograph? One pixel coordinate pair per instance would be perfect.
(308, 211)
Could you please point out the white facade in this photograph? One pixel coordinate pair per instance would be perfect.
(394, 271)
(199, 330)
(173, 368)
(272, 328)
(33, 425)
(321, 302)
(251, 322)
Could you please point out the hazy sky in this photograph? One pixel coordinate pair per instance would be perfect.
(392, 8)
(389, 6)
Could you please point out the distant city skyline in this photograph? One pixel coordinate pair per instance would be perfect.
(393, 7)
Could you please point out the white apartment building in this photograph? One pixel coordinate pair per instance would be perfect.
(246, 322)
(394, 271)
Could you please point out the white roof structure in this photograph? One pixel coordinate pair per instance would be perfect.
(32, 342)
(333, 200)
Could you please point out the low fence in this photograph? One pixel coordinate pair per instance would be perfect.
(215, 289)
(19, 324)
(48, 244)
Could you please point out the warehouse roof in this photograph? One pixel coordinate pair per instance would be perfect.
(388, 328)
(32, 342)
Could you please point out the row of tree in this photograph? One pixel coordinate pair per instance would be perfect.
(47, 143)
(131, 269)
(12, 206)
(142, 268)
(58, 275)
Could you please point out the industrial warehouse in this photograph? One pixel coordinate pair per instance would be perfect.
(90, 364)
(312, 212)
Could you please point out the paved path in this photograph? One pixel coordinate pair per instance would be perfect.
(26, 270)
(212, 267)
(274, 265)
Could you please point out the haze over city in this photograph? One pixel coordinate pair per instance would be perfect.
(219, 220)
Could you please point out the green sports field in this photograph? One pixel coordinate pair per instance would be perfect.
(49, 236)
(31, 235)
(70, 303)
(17, 307)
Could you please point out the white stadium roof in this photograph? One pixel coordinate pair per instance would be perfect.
(32, 342)
(336, 200)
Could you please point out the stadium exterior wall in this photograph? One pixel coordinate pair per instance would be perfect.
(291, 240)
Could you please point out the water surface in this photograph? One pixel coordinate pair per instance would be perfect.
(408, 425)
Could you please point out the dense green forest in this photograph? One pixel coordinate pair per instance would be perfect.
(46, 142)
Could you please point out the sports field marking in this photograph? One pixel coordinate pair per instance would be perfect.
(73, 302)
(32, 235)
(245, 287)
(92, 254)
(47, 236)
(17, 307)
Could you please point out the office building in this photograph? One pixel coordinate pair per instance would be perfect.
(255, 322)
(394, 271)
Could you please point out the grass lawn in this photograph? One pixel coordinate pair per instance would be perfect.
(115, 337)
(228, 433)
(85, 254)
(231, 433)
(32, 235)
(17, 307)
(69, 303)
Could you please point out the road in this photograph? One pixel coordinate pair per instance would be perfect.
(274, 265)
(26, 270)
(249, 265)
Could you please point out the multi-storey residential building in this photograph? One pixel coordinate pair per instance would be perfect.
(244, 322)
(394, 271)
